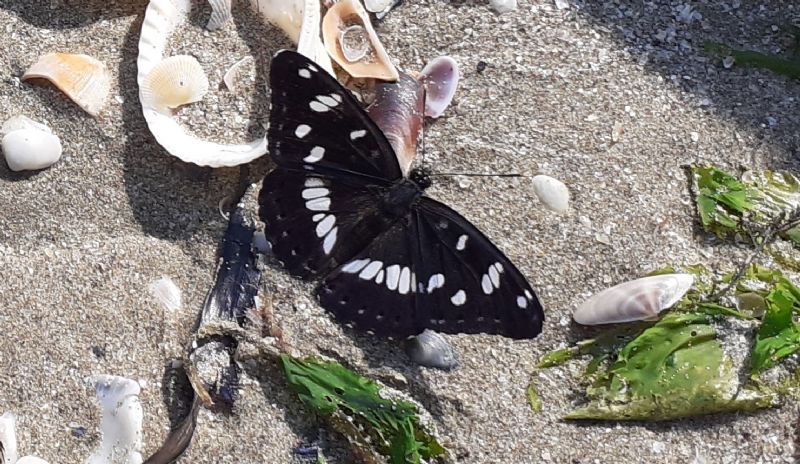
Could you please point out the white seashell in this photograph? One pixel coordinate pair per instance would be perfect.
(637, 300)
(440, 77)
(85, 80)
(121, 424)
(374, 62)
(167, 293)
(553, 194)
(22, 122)
(430, 349)
(233, 74)
(503, 6)
(220, 14)
(8, 438)
(380, 7)
(31, 460)
(31, 147)
(173, 82)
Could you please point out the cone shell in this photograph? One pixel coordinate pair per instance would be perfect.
(340, 21)
(637, 300)
(85, 80)
(175, 81)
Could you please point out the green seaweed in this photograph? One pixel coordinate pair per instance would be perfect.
(778, 336)
(534, 400)
(748, 58)
(356, 409)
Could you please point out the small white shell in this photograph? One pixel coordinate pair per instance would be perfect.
(28, 145)
(431, 349)
(121, 424)
(31, 460)
(637, 300)
(173, 82)
(220, 14)
(8, 438)
(234, 74)
(553, 194)
(167, 293)
(503, 6)
(440, 77)
(83, 79)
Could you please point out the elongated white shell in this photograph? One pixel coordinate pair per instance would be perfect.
(233, 75)
(636, 300)
(28, 145)
(173, 82)
(8, 438)
(220, 14)
(440, 77)
(121, 424)
(553, 194)
(83, 79)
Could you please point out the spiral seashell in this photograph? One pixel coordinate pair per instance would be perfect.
(637, 300)
(430, 349)
(440, 77)
(352, 43)
(85, 80)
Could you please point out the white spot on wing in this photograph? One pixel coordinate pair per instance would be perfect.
(327, 101)
(462, 242)
(354, 266)
(304, 73)
(330, 240)
(486, 285)
(315, 192)
(522, 302)
(302, 130)
(314, 182)
(494, 276)
(405, 281)
(316, 154)
(392, 276)
(436, 281)
(357, 134)
(319, 204)
(313, 68)
(459, 298)
(325, 226)
(379, 277)
(528, 295)
(369, 272)
(318, 217)
(336, 97)
(318, 107)
(499, 267)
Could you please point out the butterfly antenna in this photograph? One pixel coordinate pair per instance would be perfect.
(424, 98)
(470, 174)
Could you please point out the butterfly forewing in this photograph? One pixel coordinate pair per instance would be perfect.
(437, 271)
(318, 125)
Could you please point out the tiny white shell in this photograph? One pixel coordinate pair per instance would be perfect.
(167, 293)
(121, 422)
(636, 300)
(85, 80)
(440, 77)
(503, 6)
(430, 349)
(30, 149)
(220, 14)
(8, 438)
(173, 82)
(233, 74)
(553, 194)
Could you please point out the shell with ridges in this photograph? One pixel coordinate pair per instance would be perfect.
(173, 82)
(636, 300)
(85, 80)
(375, 63)
(440, 77)
(220, 14)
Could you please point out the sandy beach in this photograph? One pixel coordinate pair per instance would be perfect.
(81, 241)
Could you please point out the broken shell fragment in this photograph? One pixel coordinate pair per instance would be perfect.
(175, 81)
(233, 75)
(121, 423)
(346, 29)
(8, 438)
(431, 349)
(553, 194)
(503, 6)
(29, 145)
(166, 293)
(380, 7)
(220, 14)
(440, 77)
(637, 300)
(85, 80)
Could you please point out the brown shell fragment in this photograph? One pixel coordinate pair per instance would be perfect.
(85, 80)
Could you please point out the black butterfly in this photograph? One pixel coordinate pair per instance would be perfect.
(392, 260)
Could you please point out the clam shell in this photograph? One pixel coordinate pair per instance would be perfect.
(31, 147)
(173, 82)
(85, 80)
(553, 194)
(636, 300)
(121, 423)
(234, 74)
(8, 438)
(375, 62)
(431, 349)
(440, 77)
(220, 14)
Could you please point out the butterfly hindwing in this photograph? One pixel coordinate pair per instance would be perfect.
(318, 124)
(433, 270)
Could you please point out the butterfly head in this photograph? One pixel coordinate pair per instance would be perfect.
(421, 177)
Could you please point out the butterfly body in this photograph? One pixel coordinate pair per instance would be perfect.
(339, 208)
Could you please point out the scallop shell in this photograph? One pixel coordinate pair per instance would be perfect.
(338, 24)
(431, 349)
(121, 423)
(220, 14)
(28, 145)
(173, 82)
(637, 300)
(440, 77)
(398, 110)
(233, 74)
(553, 194)
(85, 80)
